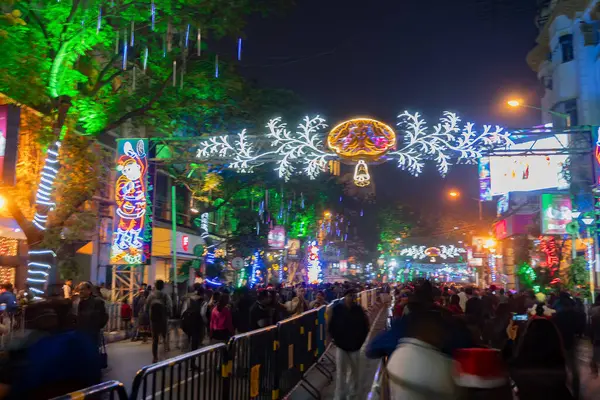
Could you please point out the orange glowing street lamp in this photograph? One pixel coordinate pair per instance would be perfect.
(514, 103)
(454, 194)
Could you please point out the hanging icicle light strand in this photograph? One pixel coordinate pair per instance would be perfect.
(199, 42)
(132, 32)
(217, 66)
(99, 24)
(239, 49)
(174, 73)
(153, 14)
(145, 58)
(187, 36)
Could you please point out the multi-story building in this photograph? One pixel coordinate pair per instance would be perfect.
(566, 60)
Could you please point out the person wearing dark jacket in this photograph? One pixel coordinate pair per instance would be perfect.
(91, 313)
(348, 327)
(569, 324)
(261, 313)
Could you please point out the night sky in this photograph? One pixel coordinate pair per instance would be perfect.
(377, 58)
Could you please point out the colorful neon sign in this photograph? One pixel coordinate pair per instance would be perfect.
(314, 265)
(130, 197)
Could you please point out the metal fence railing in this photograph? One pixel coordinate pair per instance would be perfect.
(265, 364)
(253, 365)
(111, 390)
(200, 374)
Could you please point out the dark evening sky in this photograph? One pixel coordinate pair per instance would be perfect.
(377, 58)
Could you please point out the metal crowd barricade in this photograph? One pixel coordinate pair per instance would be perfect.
(252, 365)
(200, 374)
(297, 348)
(110, 390)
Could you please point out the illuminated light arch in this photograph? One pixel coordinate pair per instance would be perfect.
(303, 151)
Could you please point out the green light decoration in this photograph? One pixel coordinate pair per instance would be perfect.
(527, 275)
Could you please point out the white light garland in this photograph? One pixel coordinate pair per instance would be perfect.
(303, 151)
(445, 142)
(442, 251)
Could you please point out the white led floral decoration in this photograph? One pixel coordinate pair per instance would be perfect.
(357, 141)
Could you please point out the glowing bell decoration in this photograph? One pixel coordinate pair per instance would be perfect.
(361, 174)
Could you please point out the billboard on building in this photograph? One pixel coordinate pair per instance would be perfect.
(276, 238)
(9, 137)
(556, 213)
(527, 173)
(131, 191)
(485, 190)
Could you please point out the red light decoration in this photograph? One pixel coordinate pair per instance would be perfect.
(548, 246)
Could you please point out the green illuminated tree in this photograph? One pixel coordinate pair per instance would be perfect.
(91, 67)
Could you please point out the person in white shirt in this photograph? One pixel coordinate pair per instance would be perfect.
(417, 369)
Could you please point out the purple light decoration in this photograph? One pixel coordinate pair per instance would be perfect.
(239, 49)
(153, 13)
(340, 199)
(362, 213)
(99, 23)
(125, 50)
(187, 36)
(217, 66)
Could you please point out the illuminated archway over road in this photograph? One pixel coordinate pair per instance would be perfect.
(359, 141)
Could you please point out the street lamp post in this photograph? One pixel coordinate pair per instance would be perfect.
(518, 103)
(454, 194)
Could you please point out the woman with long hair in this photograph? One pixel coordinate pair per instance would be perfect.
(221, 320)
(538, 366)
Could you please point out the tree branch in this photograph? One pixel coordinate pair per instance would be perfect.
(33, 235)
(98, 84)
(138, 111)
(37, 19)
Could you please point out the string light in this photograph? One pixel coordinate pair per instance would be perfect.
(239, 49)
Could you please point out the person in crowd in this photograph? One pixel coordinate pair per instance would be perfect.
(538, 366)
(319, 301)
(221, 320)
(494, 331)
(594, 330)
(243, 305)
(540, 309)
(465, 294)
(261, 314)
(401, 302)
(8, 298)
(454, 305)
(192, 322)
(298, 304)
(502, 298)
(159, 306)
(68, 289)
(52, 359)
(139, 303)
(126, 316)
(91, 313)
(474, 319)
(417, 369)
(570, 326)
(348, 327)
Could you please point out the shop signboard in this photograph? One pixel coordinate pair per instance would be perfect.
(556, 213)
(485, 186)
(276, 238)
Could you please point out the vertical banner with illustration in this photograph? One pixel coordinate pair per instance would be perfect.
(556, 213)
(485, 181)
(131, 192)
(9, 137)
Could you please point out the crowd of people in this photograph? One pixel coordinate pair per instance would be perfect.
(449, 343)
